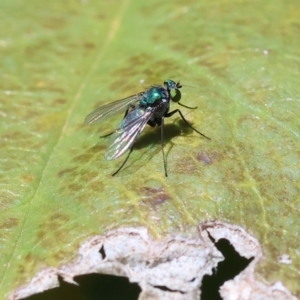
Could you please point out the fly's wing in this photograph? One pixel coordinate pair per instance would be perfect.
(109, 109)
(128, 131)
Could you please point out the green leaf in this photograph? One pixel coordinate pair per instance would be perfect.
(62, 59)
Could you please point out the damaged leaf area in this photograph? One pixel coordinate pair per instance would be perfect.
(238, 62)
(166, 269)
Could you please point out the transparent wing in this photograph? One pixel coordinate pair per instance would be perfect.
(128, 131)
(111, 108)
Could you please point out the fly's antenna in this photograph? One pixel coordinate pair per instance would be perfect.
(178, 85)
(190, 86)
(183, 73)
(178, 82)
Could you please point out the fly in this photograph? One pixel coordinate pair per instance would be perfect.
(148, 107)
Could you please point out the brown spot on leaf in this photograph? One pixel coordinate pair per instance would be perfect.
(52, 229)
(89, 45)
(96, 186)
(9, 223)
(186, 165)
(28, 259)
(88, 155)
(65, 171)
(101, 16)
(59, 217)
(83, 157)
(59, 101)
(208, 157)
(87, 176)
(46, 86)
(54, 22)
(13, 135)
(74, 187)
(28, 178)
(155, 195)
(118, 84)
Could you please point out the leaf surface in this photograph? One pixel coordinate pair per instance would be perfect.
(62, 59)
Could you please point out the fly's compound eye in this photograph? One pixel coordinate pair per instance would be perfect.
(177, 96)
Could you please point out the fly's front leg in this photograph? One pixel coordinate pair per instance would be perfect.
(187, 106)
(186, 122)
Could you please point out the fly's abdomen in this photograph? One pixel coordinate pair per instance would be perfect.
(128, 131)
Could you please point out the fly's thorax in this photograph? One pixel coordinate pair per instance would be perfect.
(155, 96)
(161, 109)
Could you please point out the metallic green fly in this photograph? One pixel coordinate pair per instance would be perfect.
(148, 107)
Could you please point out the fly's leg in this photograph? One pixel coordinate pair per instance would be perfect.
(106, 135)
(162, 145)
(124, 162)
(186, 122)
(187, 106)
(109, 134)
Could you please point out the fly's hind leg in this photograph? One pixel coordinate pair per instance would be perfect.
(162, 145)
(186, 122)
(124, 162)
(106, 135)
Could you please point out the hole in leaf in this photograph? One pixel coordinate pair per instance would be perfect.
(227, 269)
(107, 287)
(65, 291)
(92, 287)
(102, 252)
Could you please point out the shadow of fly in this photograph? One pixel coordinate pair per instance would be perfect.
(148, 107)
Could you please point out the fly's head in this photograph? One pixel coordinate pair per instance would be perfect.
(172, 85)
